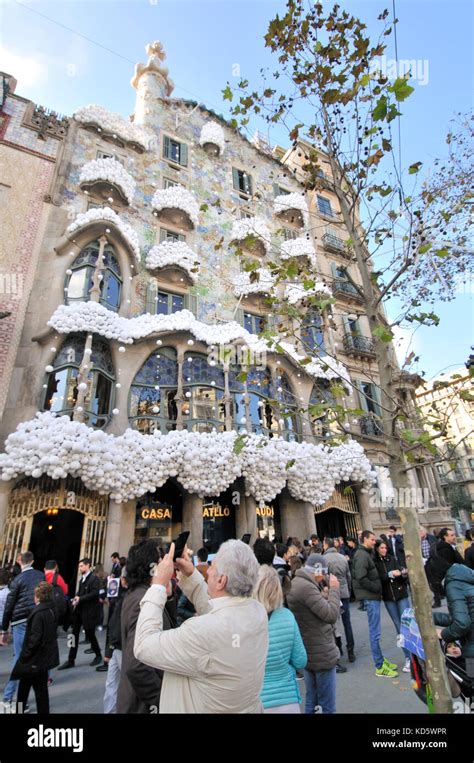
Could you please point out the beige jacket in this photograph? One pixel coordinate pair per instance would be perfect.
(213, 663)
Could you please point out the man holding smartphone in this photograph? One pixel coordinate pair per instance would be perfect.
(215, 662)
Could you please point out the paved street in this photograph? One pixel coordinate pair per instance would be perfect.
(81, 689)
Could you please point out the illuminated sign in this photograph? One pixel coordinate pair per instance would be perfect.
(214, 511)
(265, 511)
(161, 513)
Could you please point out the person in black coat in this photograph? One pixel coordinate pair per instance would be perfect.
(442, 552)
(40, 650)
(20, 602)
(394, 579)
(469, 556)
(86, 614)
(140, 685)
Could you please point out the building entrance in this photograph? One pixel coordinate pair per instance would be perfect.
(56, 534)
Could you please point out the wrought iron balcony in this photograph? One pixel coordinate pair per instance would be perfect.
(370, 425)
(360, 345)
(346, 288)
(330, 241)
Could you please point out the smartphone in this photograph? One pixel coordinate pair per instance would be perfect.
(180, 543)
(246, 538)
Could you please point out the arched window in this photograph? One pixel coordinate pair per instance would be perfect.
(321, 397)
(312, 333)
(203, 407)
(61, 391)
(152, 394)
(79, 283)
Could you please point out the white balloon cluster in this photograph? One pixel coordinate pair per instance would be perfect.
(299, 247)
(173, 253)
(206, 464)
(114, 124)
(212, 132)
(252, 226)
(111, 171)
(177, 197)
(97, 319)
(296, 292)
(288, 201)
(107, 215)
(243, 284)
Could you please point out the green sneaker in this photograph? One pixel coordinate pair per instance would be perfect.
(389, 664)
(386, 672)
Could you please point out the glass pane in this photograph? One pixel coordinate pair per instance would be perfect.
(143, 400)
(177, 303)
(248, 323)
(79, 284)
(102, 389)
(111, 291)
(101, 356)
(61, 393)
(159, 369)
(162, 303)
(259, 382)
(175, 151)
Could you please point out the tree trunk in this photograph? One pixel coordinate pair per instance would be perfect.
(421, 594)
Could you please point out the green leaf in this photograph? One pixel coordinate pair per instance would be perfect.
(242, 377)
(290, 463)
(382, 333)
(401, 89)
(203, 207)
(424, 248)
(380, 111)
(239, 443)
(228, 94)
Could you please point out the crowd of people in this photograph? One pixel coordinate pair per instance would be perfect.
(234, 635)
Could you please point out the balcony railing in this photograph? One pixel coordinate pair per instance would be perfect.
(362, 345)
(340, 286)
(334, 243)
(371, 425)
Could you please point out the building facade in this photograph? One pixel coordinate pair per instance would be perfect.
(143, 398)
(449, 395)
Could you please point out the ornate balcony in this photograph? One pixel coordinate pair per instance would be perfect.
(333, 243)
(346, 290)
(359, 345)
(108, 180)
(176, 206)
(292, 208)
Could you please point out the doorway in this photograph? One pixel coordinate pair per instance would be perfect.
(331, 524)
(56, 534)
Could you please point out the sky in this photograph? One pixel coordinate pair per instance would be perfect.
(85, 52)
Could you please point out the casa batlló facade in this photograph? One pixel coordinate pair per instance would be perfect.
(122, 397)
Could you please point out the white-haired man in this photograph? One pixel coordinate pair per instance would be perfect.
(213, 663)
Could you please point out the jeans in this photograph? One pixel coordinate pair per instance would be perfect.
(320, 691)
(346, 621)
(39, 683)
(375, 631)
(18, 632)
(395, 610)
(112, 682)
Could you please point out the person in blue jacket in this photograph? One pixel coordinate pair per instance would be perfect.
(458, 625)
(286, 652)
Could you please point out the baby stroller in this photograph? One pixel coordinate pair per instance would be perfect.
(462, 685)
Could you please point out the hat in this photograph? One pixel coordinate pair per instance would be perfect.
(317, 564)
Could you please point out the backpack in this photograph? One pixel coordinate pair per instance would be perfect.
(61, 603)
